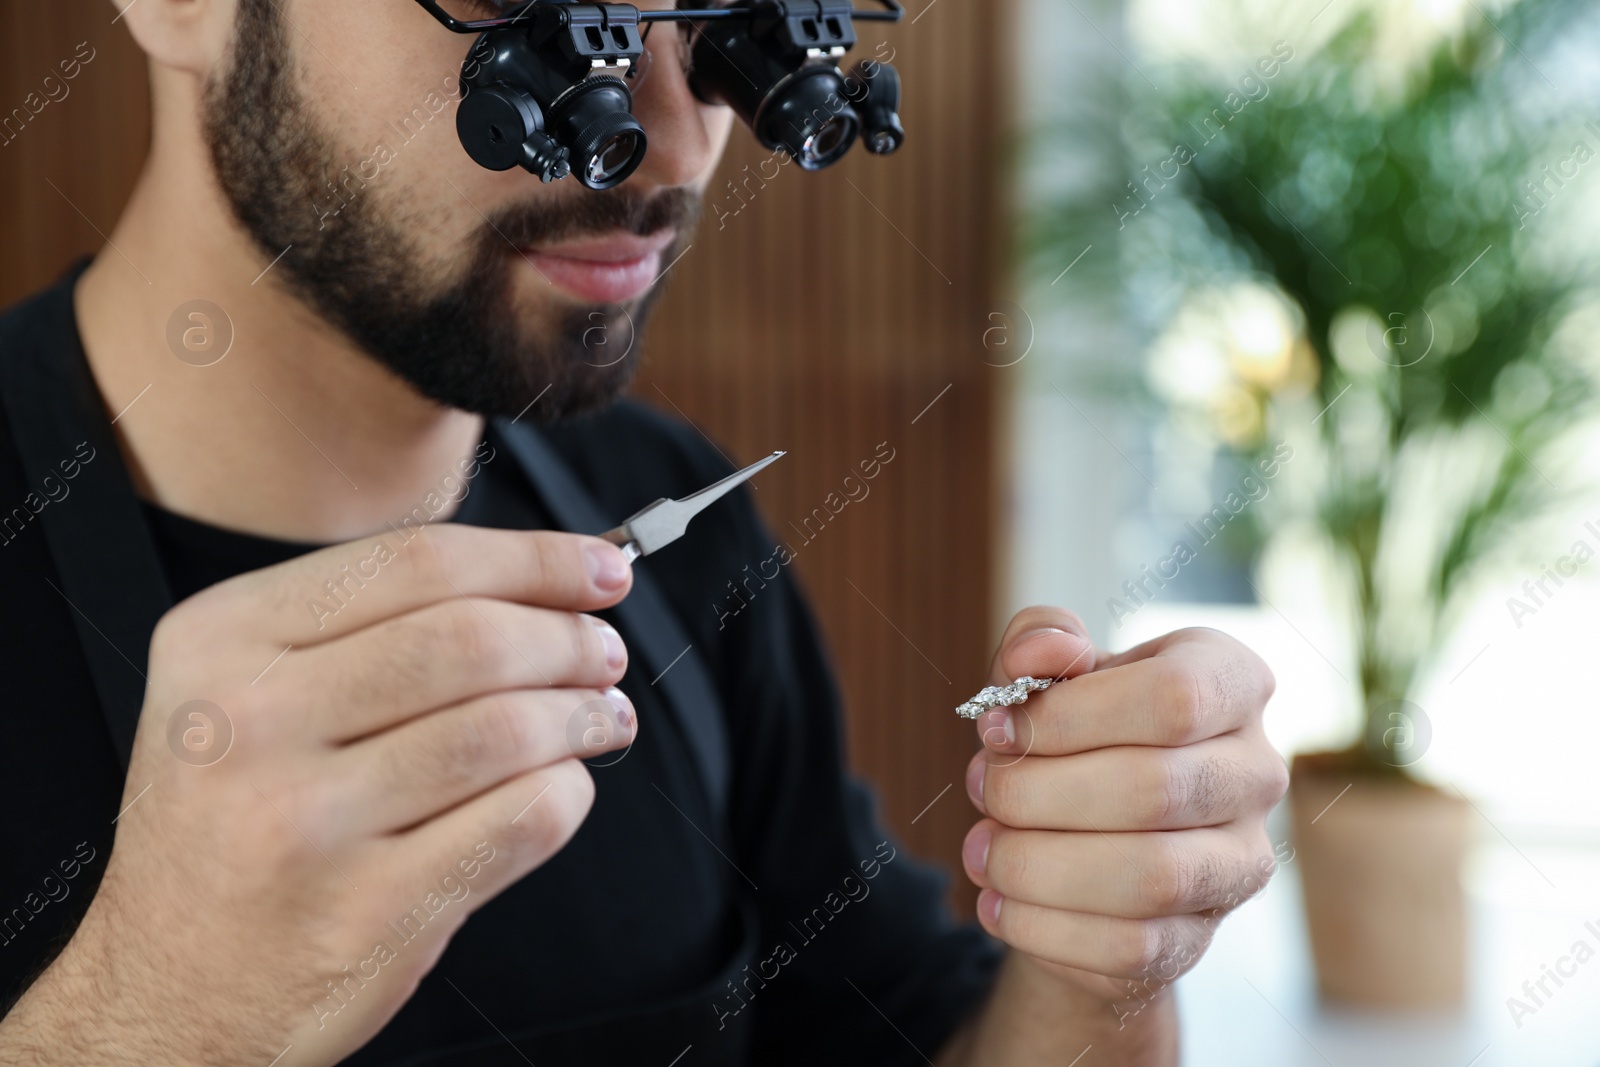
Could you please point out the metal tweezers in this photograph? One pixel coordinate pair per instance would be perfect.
(665, 521)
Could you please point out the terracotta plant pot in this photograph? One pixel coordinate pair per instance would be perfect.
(1381, 873)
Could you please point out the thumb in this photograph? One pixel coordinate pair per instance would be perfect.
(1043, 642)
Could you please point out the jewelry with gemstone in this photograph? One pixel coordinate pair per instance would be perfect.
(998, 696)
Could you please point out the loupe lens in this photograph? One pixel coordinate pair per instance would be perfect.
(614, 158)
(829, 143)
(808, 116)
(777, 71)
(595, 121)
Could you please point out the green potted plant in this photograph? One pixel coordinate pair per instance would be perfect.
(1358, 281)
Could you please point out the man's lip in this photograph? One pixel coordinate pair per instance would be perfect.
(612, 269)
(616, 248)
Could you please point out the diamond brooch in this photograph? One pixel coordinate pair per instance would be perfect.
(997, 696)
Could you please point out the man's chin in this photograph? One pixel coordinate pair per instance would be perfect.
(573, 395)
(558, 361)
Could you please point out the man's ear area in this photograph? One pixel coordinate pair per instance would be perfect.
(186, 35)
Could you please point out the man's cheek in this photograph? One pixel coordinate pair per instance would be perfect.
(719, 123)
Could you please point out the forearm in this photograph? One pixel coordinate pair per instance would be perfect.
(83, 1011)
(1036, 1017)
(63, 1018)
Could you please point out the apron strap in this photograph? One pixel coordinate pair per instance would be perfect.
(108, 567)
(654, 629)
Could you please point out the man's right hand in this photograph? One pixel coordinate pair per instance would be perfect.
(381, 766)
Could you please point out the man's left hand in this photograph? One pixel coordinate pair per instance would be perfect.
(1125, 806)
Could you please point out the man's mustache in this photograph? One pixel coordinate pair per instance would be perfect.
(596, 214)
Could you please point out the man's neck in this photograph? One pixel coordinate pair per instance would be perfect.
(295, 433)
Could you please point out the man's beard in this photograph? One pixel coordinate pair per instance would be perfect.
(462, 344)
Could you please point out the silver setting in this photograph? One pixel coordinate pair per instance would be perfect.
(1002, 696)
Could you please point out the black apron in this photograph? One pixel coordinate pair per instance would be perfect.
(111, 575)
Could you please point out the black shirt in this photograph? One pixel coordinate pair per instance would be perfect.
(814, 940)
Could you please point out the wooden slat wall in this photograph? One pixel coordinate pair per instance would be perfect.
(90, 144)
(823, 318)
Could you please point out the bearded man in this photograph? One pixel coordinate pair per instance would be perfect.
(328, 741)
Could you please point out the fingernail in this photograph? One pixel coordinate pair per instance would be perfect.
(989, 905)
(975, 775)
(1031, 634)
(616, 651)
(607, 568)
(622, 705)
(976, 850)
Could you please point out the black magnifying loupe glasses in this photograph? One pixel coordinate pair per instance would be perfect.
(546, 83)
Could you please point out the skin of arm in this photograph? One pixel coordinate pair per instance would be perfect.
(1036, 1017)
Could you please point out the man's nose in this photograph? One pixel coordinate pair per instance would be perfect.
(686, 137)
